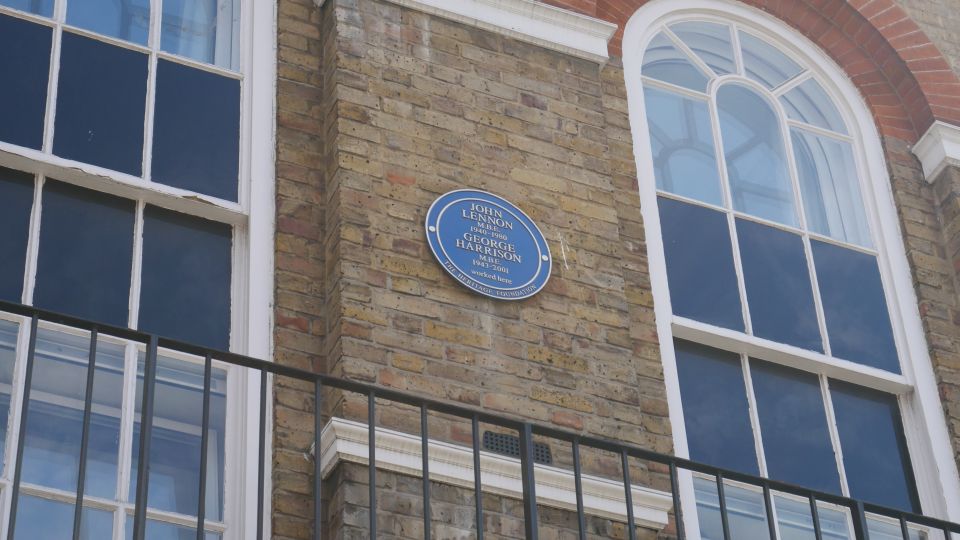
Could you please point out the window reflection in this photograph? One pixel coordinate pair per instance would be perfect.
(765, 63)
(55, 415)
(684, 161)
(45, 519)
(204, 30)
(831, 191)
(175, 444)
(755, 155)
(809, 103)
(664, 61)
(710, 41)
(124, 19)
(38, 7)
(746, 512)
(8, 348)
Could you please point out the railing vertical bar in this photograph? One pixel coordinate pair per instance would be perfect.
(317, 465)
(262, 457)
(677, 509)
(860, 531)
(372, 459)
(204, 442)
(425, 456)
(85, 435)
(25, 403)
(768, 506)
(477, 485)
(146, 432)
(724, 518)
(815, 516)
(947, 535)
(904, 529)
(529, 482)
(628, 494)
(578, 487)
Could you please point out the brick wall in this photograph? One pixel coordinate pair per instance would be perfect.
(383, 110)
(939, 21)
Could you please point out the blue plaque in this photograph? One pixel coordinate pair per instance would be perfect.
(488, 244)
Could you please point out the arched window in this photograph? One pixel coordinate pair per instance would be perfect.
(789, 331)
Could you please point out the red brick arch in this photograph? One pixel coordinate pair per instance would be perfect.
(904, 78)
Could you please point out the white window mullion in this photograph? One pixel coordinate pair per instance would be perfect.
(834, 433)
(754, 415)
(127, 419)
(133, 306)
(33, 242)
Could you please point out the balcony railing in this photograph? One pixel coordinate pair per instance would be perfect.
(858, 510)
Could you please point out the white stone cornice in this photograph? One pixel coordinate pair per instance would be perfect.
(534, 22)
(939, 147)
(345, 440)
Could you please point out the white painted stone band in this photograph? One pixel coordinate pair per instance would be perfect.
(345, 440)
(939, 147)
(534, 22)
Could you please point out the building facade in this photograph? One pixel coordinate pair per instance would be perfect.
(222, 318)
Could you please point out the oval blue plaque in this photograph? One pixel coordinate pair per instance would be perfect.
(488, 244)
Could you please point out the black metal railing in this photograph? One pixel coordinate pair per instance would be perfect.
(322, 383)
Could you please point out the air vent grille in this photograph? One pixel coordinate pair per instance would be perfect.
(509, 445)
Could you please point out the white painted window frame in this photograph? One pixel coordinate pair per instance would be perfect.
(251, 217)
(922, 414)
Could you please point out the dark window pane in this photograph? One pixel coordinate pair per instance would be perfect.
(793, 424)
(715, 410)
(854, 306)
(778, 285)
(25, 65)
(86, 252)
(874, 447)
(185, 288)
(100, 104)
(196, 135)
(703, 282)
(16, 201)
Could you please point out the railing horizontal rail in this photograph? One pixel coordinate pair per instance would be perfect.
(373, 392)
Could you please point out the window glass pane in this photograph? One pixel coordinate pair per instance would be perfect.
(755, 155)
(55, 417)
(196, 133)
(682, 140)
(100, 104)
(793, 424)
(710, 41)
(715, 410)
(874, 447)
(809, 103)
(745, 511)
(124, 19)
(854, 306)
(8, 353)
(795, 523)
(25, 64)
(40, 7)
(764, 63)
(664, 61)
(185, 284)
(779, 292)
(831, 191)
(42, 518)
(703, 281)
(16, 203)
(158, 530)
(175, 444)
(86, 252)
(205, 30)
(884, 530)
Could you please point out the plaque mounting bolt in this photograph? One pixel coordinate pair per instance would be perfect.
(432, 228)
(544, 257)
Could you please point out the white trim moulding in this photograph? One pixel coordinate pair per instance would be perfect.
(534, 22)
(939, 147)
(346, 441)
